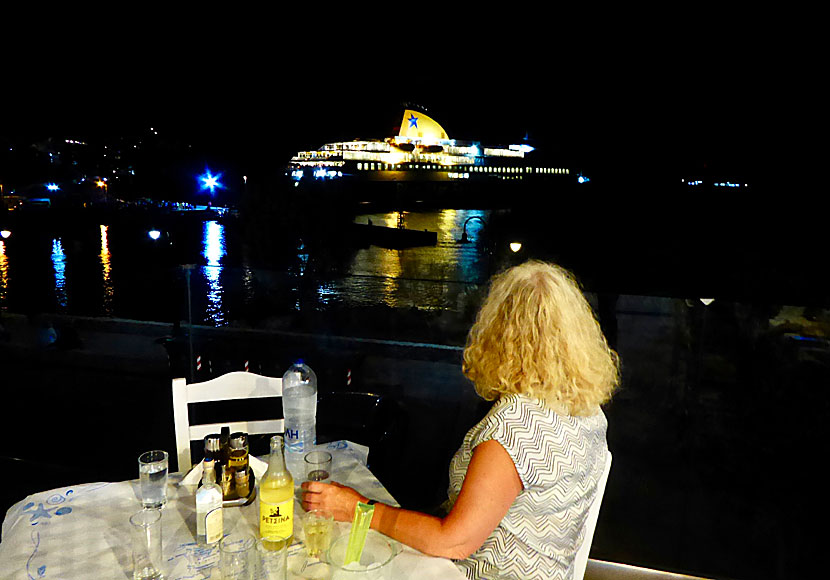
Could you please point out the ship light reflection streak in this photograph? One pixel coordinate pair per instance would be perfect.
(391, 290)
(468, 257)
(4, 275)
(327, 293)
(106, 271)
(213, 238)
(248, 283)
(59, 265)
(302, 264)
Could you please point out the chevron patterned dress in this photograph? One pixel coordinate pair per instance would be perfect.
(559, 459)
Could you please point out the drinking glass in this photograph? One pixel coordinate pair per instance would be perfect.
(318, 466)
(238, 556)
(146, 542)
(273, 562)
(152, 475)
(318, 526)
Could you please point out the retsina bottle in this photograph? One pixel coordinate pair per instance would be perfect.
(276, 496)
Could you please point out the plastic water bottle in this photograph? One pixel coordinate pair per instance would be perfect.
(299, 407)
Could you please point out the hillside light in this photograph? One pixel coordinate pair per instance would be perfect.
(515, 246)
(154, 234)
(208, 181)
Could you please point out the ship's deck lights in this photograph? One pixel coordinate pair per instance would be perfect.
(327, 173)
(523, 148)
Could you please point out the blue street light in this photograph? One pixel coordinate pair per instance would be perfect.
(208, 181)
(52, 186)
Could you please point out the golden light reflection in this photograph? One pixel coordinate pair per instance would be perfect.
(4, 274)
(390, 264)
(390, 220)
(448, 221)
(106, 271)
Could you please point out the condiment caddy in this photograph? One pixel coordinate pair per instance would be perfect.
(229, 454)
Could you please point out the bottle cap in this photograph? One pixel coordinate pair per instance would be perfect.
(212, 442)
(239, 440)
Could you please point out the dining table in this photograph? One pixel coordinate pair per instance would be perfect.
(82, 532)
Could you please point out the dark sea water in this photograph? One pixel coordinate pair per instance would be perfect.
(119, 270)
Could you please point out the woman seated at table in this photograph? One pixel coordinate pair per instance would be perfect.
(525, 476)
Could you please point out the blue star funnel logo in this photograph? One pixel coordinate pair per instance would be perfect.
(413, 121)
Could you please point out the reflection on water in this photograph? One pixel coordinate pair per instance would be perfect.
(390, 262)
(4, 275)
(213, 238)
(106, 271)
(429, 277)
(297, 273)
(248, 283)
(59, 265)
(426, 278)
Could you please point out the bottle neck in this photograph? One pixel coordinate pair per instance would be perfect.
(208, 475)
(276, 461)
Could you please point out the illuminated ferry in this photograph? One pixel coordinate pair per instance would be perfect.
(422, 157)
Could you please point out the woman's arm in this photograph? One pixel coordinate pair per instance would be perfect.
(490, 486)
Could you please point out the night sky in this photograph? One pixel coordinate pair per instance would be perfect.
(667, 104)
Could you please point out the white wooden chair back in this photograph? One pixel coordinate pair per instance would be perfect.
(581, 558)
(230, 386)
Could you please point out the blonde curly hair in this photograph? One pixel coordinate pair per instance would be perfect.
(536, 335)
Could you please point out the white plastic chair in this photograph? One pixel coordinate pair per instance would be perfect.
(581, 558)
(230, 386)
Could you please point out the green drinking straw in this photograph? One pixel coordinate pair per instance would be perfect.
(357, 537)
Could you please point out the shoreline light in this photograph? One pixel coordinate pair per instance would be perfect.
(211, 182)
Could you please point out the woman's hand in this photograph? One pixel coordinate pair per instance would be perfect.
(339, 499)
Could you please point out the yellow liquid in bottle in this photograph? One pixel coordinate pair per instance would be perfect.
(276, 506)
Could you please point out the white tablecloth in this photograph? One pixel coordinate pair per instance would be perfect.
(83, 532)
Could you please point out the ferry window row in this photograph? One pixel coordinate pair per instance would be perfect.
(473, 168)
